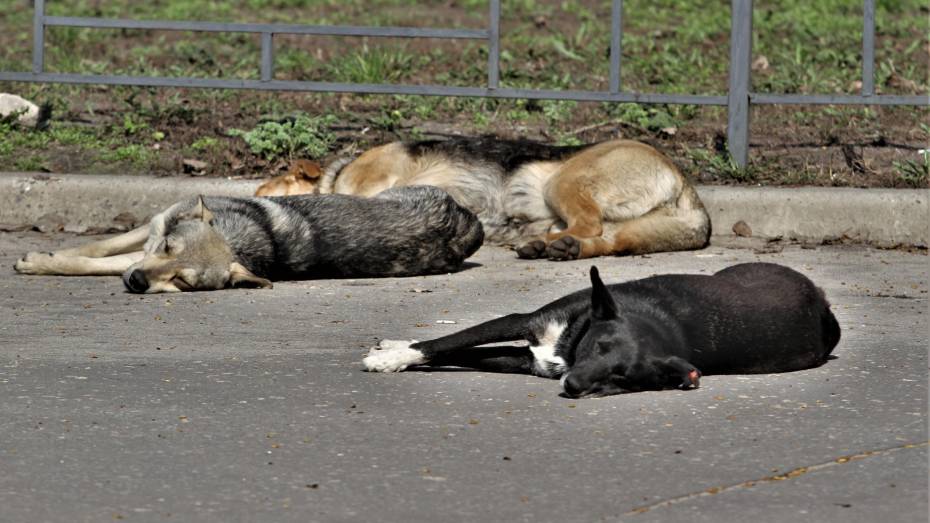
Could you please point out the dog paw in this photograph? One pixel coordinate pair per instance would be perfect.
(532, 250)
(393, 356)
(691, 381)
(34, 263)
(565, 248)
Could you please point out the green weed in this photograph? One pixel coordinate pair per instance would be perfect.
(132, 126)
(388, 120)
(371, 66)
(652, 118)
(135, 154)
(28, 163)
(914, 173)
(300, 135)
(205, 144)
(720, 167)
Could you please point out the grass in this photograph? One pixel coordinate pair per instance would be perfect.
(722, 166)
(914, 173)
(669, 46)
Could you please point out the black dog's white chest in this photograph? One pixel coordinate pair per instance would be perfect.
(547, 361)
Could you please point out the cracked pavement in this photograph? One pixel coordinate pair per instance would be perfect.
(251, 405)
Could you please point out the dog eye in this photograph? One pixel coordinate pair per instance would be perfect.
(178, 282)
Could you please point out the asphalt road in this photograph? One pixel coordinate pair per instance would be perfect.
(251, 405)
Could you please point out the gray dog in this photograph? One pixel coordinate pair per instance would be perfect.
(218, 242)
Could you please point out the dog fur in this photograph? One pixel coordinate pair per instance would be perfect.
(218, 242)
(648, 334)
(561, 203)
(299, 179)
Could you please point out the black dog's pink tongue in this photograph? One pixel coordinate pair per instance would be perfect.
(694, 377)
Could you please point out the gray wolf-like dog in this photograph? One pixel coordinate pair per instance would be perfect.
(213, 243)
(560, 203)
(649, 334)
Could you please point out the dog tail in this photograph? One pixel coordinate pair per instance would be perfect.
(508, 328)
(829, 328)
(469, 233)
(332, 171)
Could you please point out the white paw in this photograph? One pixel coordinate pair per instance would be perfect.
(393, 356)
(34, 263)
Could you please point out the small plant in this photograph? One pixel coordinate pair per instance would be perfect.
(914, 173)
(28, 163)
(6, 145)
(135, 154)
(371, 66)
(557, 111)
(205, 143)
(653, 118)
(131, 127)
(720, 166)
(300, 135)
(568, 139)
(388, 120)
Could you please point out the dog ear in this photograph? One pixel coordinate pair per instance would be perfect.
(603, 306)
(239, 276)
(202, 212)
(305, 169)
(681, 369)
(198, 212)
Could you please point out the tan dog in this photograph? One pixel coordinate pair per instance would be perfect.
(616, 197)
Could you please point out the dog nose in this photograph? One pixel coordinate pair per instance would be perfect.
(572, 386)
(136, 281)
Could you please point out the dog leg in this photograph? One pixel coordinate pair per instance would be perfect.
(659, 231)
(131, 241)
(682, 371)
(505, 359)
(398, 355)
(56, 264)
(395, 356)
(584, 219)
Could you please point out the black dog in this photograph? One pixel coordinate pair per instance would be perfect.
(648, 334)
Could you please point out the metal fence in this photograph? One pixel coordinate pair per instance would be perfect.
(738, 100)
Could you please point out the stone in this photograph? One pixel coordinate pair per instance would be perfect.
(13, 104)
(743, 229)
(195, 167)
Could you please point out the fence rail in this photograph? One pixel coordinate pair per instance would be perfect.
(738, 100)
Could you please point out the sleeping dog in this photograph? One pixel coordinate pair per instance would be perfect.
(555, 202)
(650, 334)
(218, 242)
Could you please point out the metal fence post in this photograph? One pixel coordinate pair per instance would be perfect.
(740, 67)
(494, 45)
(38, 37)
(868, 48)
(616, 39)
(267, 61)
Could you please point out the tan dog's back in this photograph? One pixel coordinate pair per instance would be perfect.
(623, 178)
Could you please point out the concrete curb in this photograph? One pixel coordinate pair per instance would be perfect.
(885, 217)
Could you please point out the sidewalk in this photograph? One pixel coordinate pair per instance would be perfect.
(251, 405)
